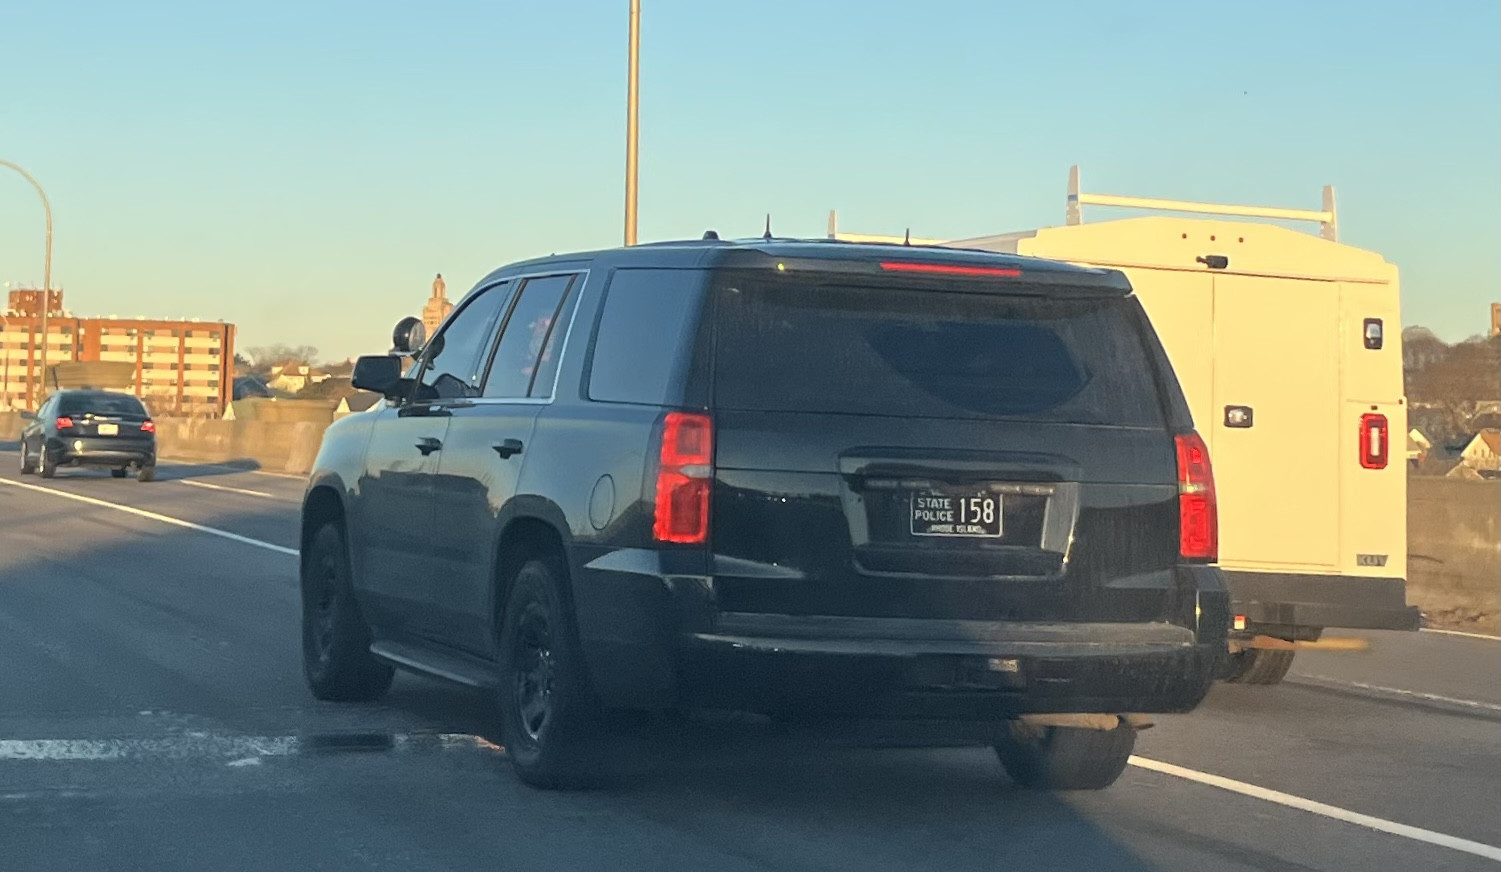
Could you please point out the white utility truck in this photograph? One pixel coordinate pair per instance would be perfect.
(1289, 350)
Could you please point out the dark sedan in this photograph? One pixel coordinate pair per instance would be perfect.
(90, 428)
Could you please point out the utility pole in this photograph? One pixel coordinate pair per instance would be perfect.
(46, 273)
(632, 122)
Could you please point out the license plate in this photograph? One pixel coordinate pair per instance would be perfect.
(109, 429)
(956, 514)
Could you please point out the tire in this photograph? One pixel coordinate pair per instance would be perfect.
(146, 473)
(1065, 758)
(117, 473)
(550, 720)
(27, 467)
(336, 658)
(44, 467)
(1262, 666)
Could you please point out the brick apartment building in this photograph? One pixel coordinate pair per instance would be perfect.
(183, 367)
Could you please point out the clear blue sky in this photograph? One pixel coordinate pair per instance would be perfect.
(303, 168)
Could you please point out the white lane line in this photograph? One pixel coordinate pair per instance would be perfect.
(1462, 634)
(1317, 680)
(227, 488)
(1418, 834)
(234, 750)
(142, 513)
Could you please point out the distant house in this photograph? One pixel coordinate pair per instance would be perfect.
(1483, 453)
(247, 386)
(292, 378)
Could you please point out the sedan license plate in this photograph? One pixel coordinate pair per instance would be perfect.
(956, 514)
(109, 429)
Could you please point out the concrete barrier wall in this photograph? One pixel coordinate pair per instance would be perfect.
(1454, 550)
(275, 446)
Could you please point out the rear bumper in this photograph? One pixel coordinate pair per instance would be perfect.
(653, 640)
(1300, 603)
(951, 670)
(100, 451)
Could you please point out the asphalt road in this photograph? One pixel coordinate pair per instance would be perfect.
(153, 716)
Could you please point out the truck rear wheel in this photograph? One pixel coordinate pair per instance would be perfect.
(1065, 758)
(1259, 666)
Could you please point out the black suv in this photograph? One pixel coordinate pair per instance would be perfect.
(89, 428)
(800, 478)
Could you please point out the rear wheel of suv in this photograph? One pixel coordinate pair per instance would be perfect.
(1259, 666)
(549, 719)
(44, 467)
(336, 654)
(1065, 758)
(146, 473)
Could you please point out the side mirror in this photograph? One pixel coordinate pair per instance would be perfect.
(408, 337)
(380, 374)
(27, 416)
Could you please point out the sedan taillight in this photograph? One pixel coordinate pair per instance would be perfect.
(64, 423)
(148, 426)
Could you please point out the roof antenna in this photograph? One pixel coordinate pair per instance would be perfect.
(767, 234)
(907, 240)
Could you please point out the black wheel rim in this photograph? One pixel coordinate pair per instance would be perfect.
(535, 671)
(323, 605)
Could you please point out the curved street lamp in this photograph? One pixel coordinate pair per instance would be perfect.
(46, 270)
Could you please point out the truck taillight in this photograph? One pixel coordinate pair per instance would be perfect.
(684, 479)
(65, 423)
(1374, 441)
(1198, 512)
(148, 426)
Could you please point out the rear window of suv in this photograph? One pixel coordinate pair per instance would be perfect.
(803, 347)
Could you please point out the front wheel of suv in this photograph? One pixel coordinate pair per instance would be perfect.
(549, 718)
(27, 467)
(1065, 758)
(336, 656)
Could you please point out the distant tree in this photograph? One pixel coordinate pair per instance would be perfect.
(1447, 385)
(267, 356)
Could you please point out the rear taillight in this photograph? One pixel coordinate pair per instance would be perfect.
(65, 423)
(148, 426)
(1198, 513)
(1374, 441)
(684, 479)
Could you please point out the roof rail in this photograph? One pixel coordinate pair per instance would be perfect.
(1327, 217)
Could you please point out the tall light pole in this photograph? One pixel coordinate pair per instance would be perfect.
(46, 267)
(632, 123)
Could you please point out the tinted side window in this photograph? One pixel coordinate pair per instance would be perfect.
(645, 330)
(454, 359)
(527, 347)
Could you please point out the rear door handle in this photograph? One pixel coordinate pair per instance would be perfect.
(428, 444)
(508, 449)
